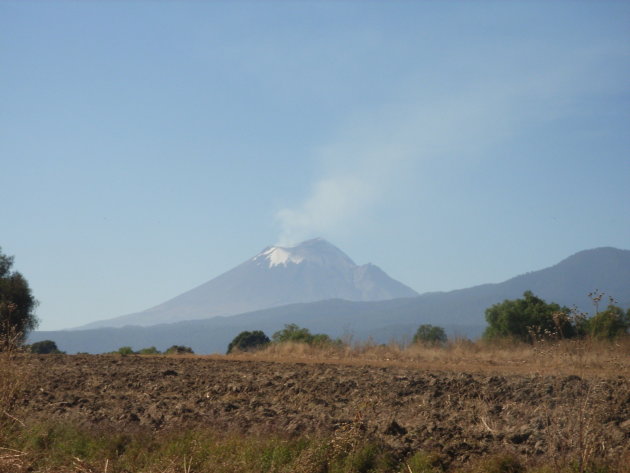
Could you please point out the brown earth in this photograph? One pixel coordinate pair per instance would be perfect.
(459, 415)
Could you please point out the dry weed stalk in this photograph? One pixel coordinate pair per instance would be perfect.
(188, 464)
(348, 437)
(14, 375)
(578, 428)
(11, 460)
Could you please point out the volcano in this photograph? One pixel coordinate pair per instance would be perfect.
(314, 270)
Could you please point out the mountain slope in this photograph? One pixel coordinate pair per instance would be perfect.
(570, 281)
(312, 271)
(461, 312)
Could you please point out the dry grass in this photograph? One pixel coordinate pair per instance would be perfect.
(577, 428)
(14, 376)
(586, 357)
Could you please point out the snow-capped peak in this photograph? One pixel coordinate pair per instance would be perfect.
(316, 251)
(280, 256)
(312, 271)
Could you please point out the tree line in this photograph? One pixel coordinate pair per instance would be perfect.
(255, 340)
(530, 319)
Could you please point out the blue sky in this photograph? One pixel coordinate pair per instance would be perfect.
(147, 147)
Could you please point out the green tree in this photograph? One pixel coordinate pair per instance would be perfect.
(45, 347)
(520, 318)
(292, 333)
(430, 335)
(246, 341)
(17, 306)
(179, 350)
(610, 323)
(125, 351)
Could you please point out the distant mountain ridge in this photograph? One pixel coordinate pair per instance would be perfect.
(570, 281)
(311, 271)
(461, 311)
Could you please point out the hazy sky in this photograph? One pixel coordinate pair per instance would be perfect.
(147, 147)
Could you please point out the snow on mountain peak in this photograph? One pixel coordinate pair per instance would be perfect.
(314, 270)
(317, 251)
(280, 256)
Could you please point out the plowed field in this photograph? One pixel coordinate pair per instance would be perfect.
(459, 415)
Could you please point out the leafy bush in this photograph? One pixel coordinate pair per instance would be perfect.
(179, 350)
(149, 351)
(45, 347)
(520, 318)
(430, 335)
(246, 341)
(125, 351)
(292, 333)
(296, 334)
(610, 323)
(323, 340)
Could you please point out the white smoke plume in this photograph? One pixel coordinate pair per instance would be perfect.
(373, 153)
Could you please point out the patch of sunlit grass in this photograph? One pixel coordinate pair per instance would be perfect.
(584, 357)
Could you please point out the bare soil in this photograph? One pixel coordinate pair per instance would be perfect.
(459, 415)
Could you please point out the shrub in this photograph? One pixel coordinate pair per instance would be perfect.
(125, 351)
(246, 341)
(609, 324)
(430, 335)
(45, 347)
(520, 318)
(292, 333)
(296, 334)
(149, 351)
(179, 350)
(323, 340)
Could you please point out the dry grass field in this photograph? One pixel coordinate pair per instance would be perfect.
(585, 357)
(465, 407)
